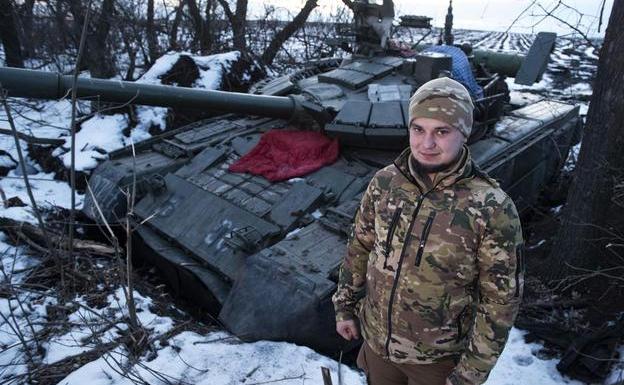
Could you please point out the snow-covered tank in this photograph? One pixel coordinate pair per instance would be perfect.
(264, 255)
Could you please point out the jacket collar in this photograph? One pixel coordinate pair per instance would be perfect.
(461, 169)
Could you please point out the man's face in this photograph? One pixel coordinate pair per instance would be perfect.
(435, 145)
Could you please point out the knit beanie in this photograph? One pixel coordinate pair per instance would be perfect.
(446, 100)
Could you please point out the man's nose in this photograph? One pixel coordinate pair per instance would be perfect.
(429, 141)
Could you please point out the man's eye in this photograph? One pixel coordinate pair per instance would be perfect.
(442, 132)
(416, 129)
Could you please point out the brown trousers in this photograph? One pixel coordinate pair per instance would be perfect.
(381, 372)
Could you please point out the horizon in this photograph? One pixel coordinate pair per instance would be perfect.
(491, 15)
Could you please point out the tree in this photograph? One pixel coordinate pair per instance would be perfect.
(150, 31)
(591, 236)
(26, 16)
(238, 20)
(99, 55)
(173, 31)
(9, 35)
(280, 38)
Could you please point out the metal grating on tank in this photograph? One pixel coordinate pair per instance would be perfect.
(206, 132)
(253, 193)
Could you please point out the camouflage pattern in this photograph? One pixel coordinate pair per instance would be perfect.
(446, 100)
(438, 271)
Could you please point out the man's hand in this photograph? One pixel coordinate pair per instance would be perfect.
(347, 330)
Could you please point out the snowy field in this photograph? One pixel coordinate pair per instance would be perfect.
(177, 354)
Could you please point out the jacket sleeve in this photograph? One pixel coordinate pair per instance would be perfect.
(500, 284)
(352, 280)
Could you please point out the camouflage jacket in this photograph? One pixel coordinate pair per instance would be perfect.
(434, 272)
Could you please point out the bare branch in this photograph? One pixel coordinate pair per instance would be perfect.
(573, 27)
(72, 169)
(34, 140)
(520, 15)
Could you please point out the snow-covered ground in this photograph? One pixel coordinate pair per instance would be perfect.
(187, 356)
(214, 358)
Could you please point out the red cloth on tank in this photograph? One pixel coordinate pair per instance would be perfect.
(285, 154)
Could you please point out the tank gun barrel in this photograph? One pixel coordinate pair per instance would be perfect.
(50, 85)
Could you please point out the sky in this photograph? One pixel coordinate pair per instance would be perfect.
(485, 14)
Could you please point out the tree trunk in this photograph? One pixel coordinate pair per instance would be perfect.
(60, 16)
(173, 33)
(348, 3)
(100, 58)
(280, 38)
(202, 36)
(26, 16)
(8, 33)
(132, 54)
(238, 26)
(208, 26)
(594, 214)
(237, 21)
(152, 42)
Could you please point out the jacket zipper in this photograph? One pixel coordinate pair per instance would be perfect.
(398, 271)
(403, 250)
(423, 238)
(393, 223)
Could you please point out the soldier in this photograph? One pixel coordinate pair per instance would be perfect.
(433, 269)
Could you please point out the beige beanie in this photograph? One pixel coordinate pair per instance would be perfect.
(446, 100)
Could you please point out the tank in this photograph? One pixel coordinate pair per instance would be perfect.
(264, 256)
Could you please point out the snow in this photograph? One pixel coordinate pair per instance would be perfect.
(589, 52)
(518, 365)
(570, 163)
(94, 327)
(191, 358)
(47, 192)
(520, 99)
(293, 232)
(160, 67)
(22, 312)
(148, 117)
(213, 67)
(617, 372)
(579, 89)
(7, 161)
(214, 358)
(98, 136)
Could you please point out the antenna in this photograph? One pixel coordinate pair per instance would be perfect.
(448, 25)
